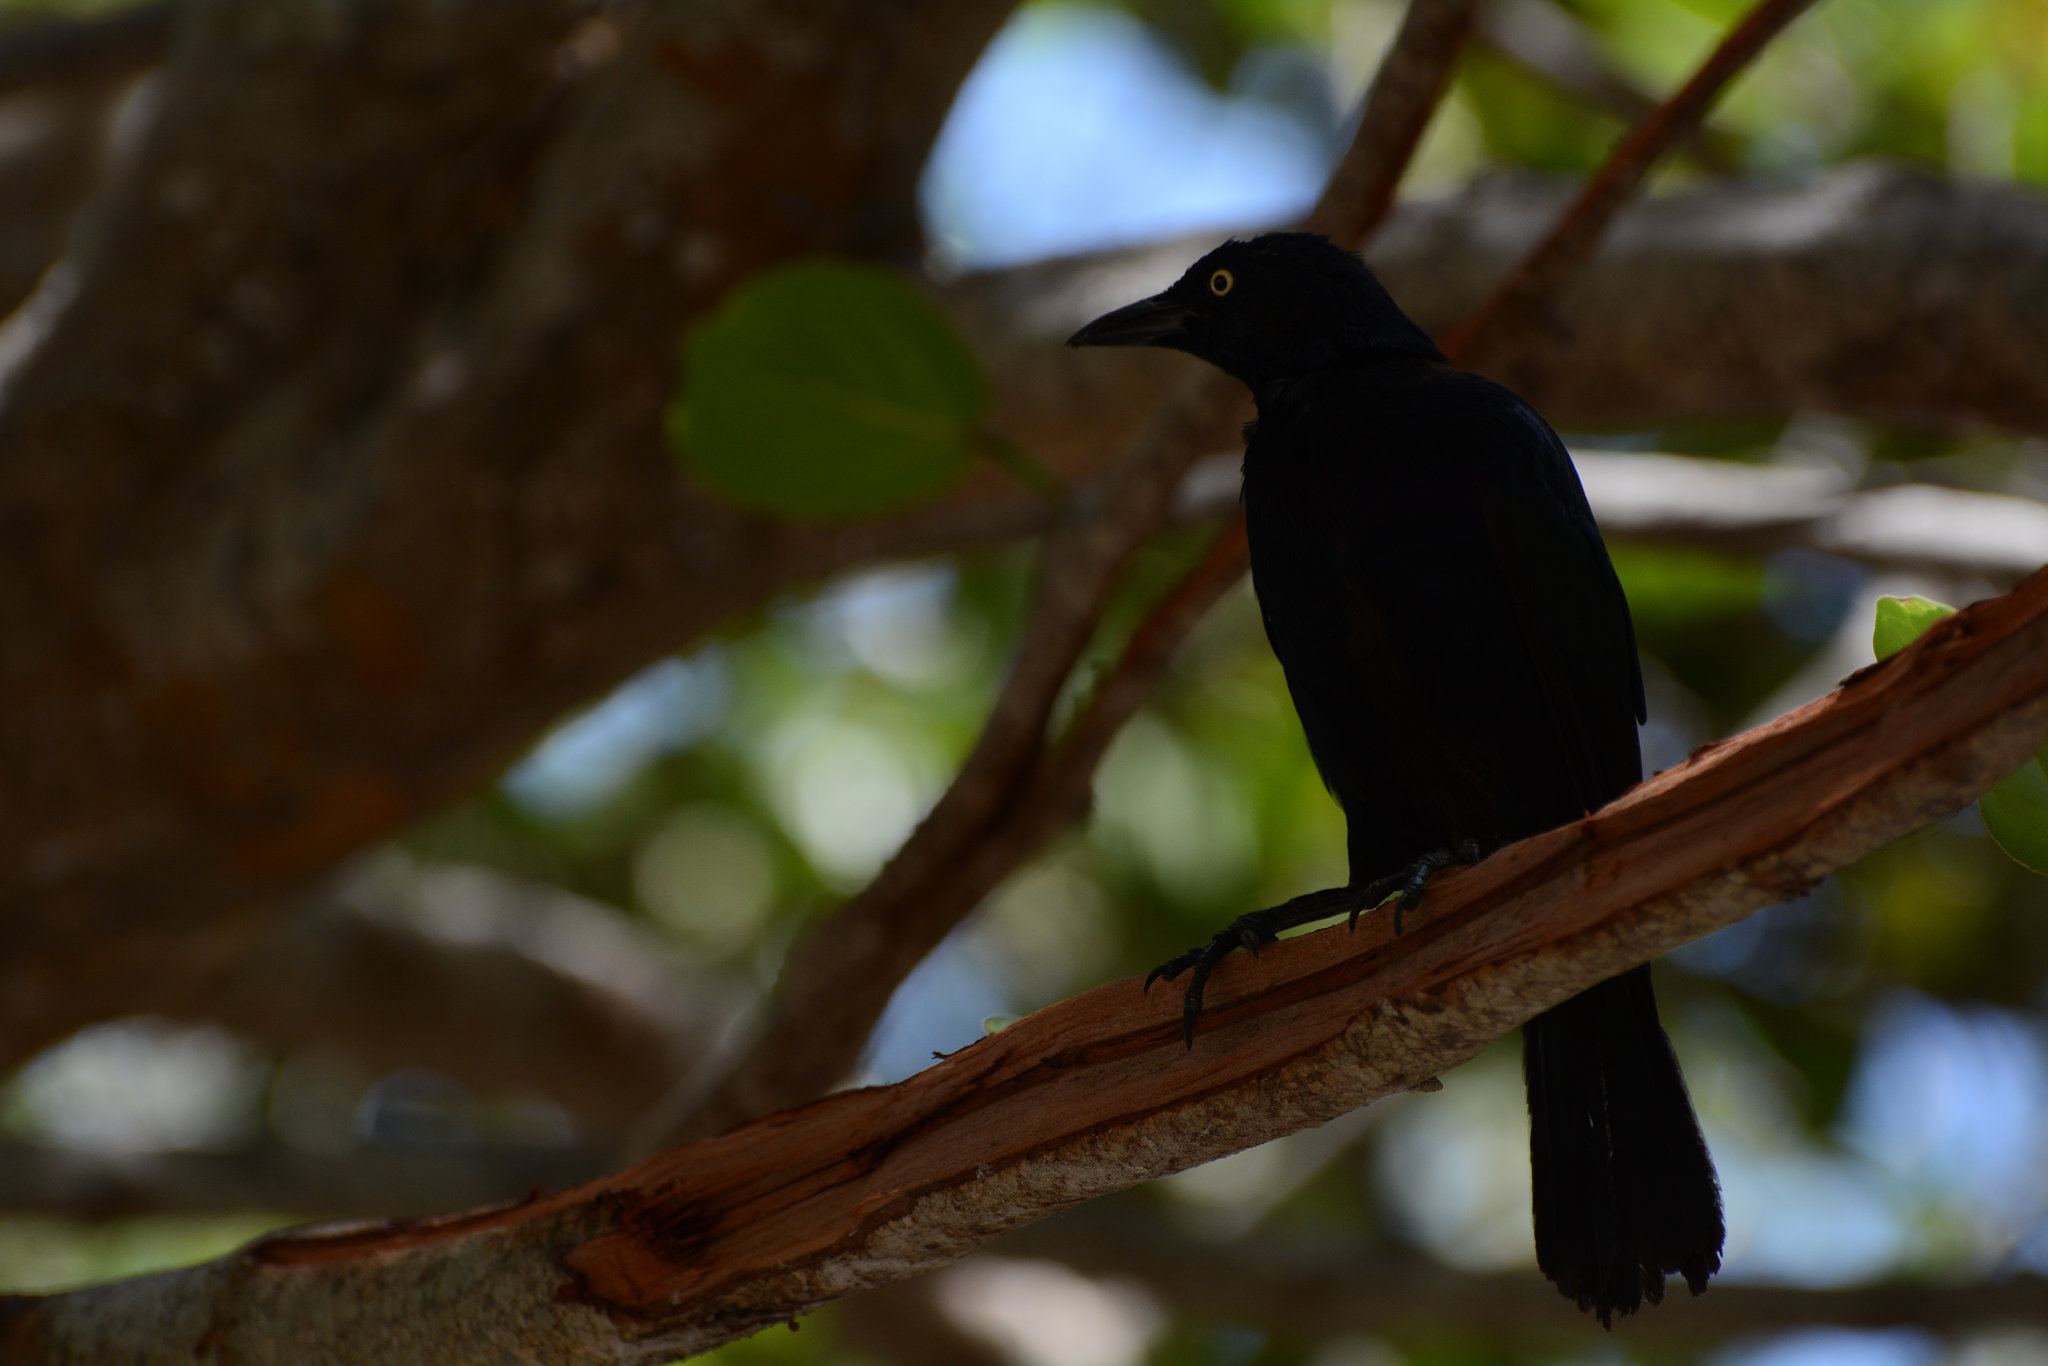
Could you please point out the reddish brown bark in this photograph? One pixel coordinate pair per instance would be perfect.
(715, 1240)
(339, 476)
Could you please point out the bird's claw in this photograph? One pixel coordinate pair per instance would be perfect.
(1252, 932)
(1406, 886)
(1260, 928)
(1174, 967)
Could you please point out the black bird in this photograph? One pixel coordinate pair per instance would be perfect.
(1461, 656)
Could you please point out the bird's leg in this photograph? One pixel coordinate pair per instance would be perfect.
(1252, 931)
(1257, 929)
(1410, 881)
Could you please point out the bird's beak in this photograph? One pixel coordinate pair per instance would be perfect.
(1155, 321)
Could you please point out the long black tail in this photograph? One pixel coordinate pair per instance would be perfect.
(1625, 1191)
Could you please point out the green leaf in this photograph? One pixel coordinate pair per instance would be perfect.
(2016, 814)
(1901, 621)
(2016, 811)
(826, 388)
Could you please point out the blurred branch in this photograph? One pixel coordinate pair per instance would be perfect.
(1754, 509)
(1315, 1294)
(1002, 807)
(360, 1183)
(1751, 508)
(1393, 115)
(506, 986)
(1571, 243)
(714, 1241)
(330, 462)
(1556, 46)
(1870, 290)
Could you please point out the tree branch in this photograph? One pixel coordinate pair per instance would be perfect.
(1755, 509)
(1002, 807)
(506, 986)
(708, 1243)
(1871, 290)
(1395, 112)
(338, 477)
(1409, 84)
(1570, 244)
(1557, 47)
(839, 977)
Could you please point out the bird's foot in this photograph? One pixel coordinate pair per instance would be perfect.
(1253, 931)
(1406, 885)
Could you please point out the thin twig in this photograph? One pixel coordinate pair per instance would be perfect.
(1579, 230)
(1556, 47)
(1001, 809)
(1405, 92)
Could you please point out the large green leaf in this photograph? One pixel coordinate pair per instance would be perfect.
(2016, 811)
(826, 388)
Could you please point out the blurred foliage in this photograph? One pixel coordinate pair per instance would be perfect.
(1961, 84)
(1526, 123)
(728, 798)
(39, 1254)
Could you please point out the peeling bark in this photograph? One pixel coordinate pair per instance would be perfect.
(713, 1241)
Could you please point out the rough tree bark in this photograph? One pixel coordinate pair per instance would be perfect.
(345, 407)
(331, 472)
(331, 468)
(719, 1239)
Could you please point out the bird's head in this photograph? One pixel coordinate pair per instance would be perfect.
(1280, 305)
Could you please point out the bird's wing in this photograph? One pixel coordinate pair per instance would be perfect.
(1573, 615)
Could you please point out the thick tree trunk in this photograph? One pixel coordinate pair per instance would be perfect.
(330, 467)
(339, 430)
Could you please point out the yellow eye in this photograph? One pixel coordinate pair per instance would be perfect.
(1221, 281)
